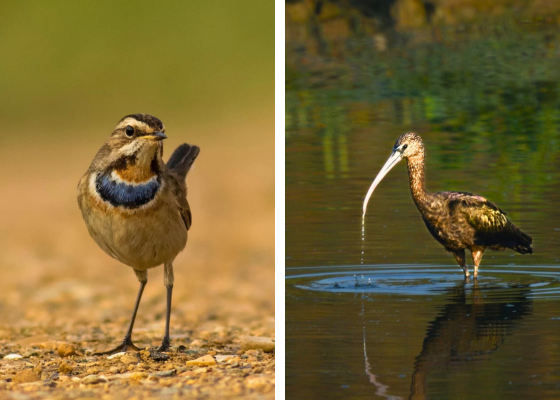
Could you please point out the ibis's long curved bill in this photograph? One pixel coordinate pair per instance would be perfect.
(393, 160)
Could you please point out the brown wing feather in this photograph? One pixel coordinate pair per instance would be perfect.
(178, 166)
(491, 224)
(180, 193)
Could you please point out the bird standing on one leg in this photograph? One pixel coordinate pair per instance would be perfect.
(135, 206)
(458, 220)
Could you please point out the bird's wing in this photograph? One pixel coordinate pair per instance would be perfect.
(179, 192)
(185, 211)
(484, 216)
(490, 223)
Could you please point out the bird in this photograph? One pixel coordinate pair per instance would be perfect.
(457, 220)
(135, 205)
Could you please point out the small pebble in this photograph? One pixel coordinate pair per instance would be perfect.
(122, 353)
(66, 350)
(13, 356)
(165, 374)
(224, 358)
(253, 342)
(202, 361)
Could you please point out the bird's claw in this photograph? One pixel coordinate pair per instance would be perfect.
(164, 345)
(123, 347)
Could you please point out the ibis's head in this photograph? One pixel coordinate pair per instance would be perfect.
(407, 146)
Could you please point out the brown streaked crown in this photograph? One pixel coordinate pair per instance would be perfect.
(143, 123)
(413, 142)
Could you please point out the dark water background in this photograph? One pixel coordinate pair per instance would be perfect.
(390, 316)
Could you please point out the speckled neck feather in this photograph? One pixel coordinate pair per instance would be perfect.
(417, 178)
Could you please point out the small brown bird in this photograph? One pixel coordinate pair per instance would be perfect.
(457, 220)
(135, 206)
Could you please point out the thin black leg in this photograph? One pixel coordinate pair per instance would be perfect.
(165, 343)
(127, 342)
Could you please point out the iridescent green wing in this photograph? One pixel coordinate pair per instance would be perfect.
(488, 220)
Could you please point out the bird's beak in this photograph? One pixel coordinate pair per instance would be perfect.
(393, 160)
(155, 136)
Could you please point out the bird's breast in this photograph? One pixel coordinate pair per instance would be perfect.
(117, 191)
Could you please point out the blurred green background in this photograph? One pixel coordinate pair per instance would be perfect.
(91, 62)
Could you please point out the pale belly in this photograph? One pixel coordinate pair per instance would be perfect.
(142, 240)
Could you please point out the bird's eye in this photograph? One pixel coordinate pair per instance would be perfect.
(405, 146)
(129, 131)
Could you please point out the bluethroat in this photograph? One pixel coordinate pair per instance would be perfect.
(135, 205)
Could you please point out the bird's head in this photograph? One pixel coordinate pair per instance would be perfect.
(138, 133)
(408, 145)
(136, 141)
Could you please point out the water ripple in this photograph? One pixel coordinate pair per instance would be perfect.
(425, 280)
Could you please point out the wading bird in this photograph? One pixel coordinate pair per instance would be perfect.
(135, 205)
(458, 220)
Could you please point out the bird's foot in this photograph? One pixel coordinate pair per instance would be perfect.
(123, 347)
(164, 345)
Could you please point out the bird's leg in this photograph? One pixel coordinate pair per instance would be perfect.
(477, 257)
(461, 260)
(127, 342)
(168, 280)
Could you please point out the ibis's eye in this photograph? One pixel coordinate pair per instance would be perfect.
(129, 131)
(404, 147)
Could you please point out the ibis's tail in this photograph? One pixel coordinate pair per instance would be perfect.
(182, 158)
(522, 243)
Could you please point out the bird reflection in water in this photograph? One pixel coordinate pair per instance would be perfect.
(468, 330)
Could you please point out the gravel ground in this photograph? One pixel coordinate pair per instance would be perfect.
(38, 367)
(62, 298)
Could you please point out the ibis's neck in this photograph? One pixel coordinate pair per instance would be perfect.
(417, 180)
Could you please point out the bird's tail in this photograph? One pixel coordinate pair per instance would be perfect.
(523, 243)
(182, 158)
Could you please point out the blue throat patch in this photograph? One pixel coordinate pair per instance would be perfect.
(125, 195)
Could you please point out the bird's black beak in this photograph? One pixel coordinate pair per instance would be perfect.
(393, 160)
(155, 136)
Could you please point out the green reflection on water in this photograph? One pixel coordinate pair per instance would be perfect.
(485, 101)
